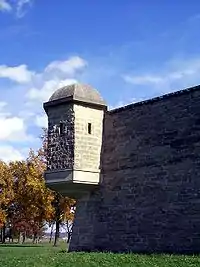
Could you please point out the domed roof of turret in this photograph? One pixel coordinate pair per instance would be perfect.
(77, 91)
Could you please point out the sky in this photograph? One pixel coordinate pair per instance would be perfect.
(128, 50)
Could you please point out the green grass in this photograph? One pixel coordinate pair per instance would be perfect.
(47, 256)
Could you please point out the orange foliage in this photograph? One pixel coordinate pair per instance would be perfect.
(32, 203)
(6, 190)
(25, 201)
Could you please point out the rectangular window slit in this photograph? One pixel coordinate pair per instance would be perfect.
(89, 128)
(62, 128)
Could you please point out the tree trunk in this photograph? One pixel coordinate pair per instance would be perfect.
(10, 235)
(1, 235)
(69, 225)
(57, 233)
(23, 238)
(34, 238)
(4, 233)
(68, 237)
(51, 234)
(19, 237)
(58, 219)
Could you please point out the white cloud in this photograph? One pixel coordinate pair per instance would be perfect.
(13, 129)
(9, 153)
(5, 6)
(19, 74)
(68, 67)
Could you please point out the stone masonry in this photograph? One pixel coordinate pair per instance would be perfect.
(74, 148)
(148, 199)
(87, 146)
(60, 146)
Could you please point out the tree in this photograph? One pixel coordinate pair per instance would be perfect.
(6, 195)
(51, 225)
(58, 216)
(64, 215)
(32, 206)
(67, 206)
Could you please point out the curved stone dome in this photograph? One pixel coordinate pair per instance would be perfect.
(77, 91)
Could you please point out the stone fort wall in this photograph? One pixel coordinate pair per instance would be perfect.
(149, 196)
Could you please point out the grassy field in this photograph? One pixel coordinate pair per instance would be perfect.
(47, 256)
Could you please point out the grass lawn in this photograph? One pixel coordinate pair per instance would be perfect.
(47, 256)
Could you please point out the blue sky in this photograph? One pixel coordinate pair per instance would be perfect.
(128, 50)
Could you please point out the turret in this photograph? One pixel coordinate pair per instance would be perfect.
(75, 125)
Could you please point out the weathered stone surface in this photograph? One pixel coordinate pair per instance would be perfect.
(87, 146)
(75, 148)
(60, 146)
(77, 91)
(149, 197)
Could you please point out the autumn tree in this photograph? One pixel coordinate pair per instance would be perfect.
(6, 195)
(64, 215)
(32, 205)
(45, 196)
(68, 208)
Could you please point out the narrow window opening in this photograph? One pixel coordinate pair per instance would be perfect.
(62, 128)
(89, 128)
